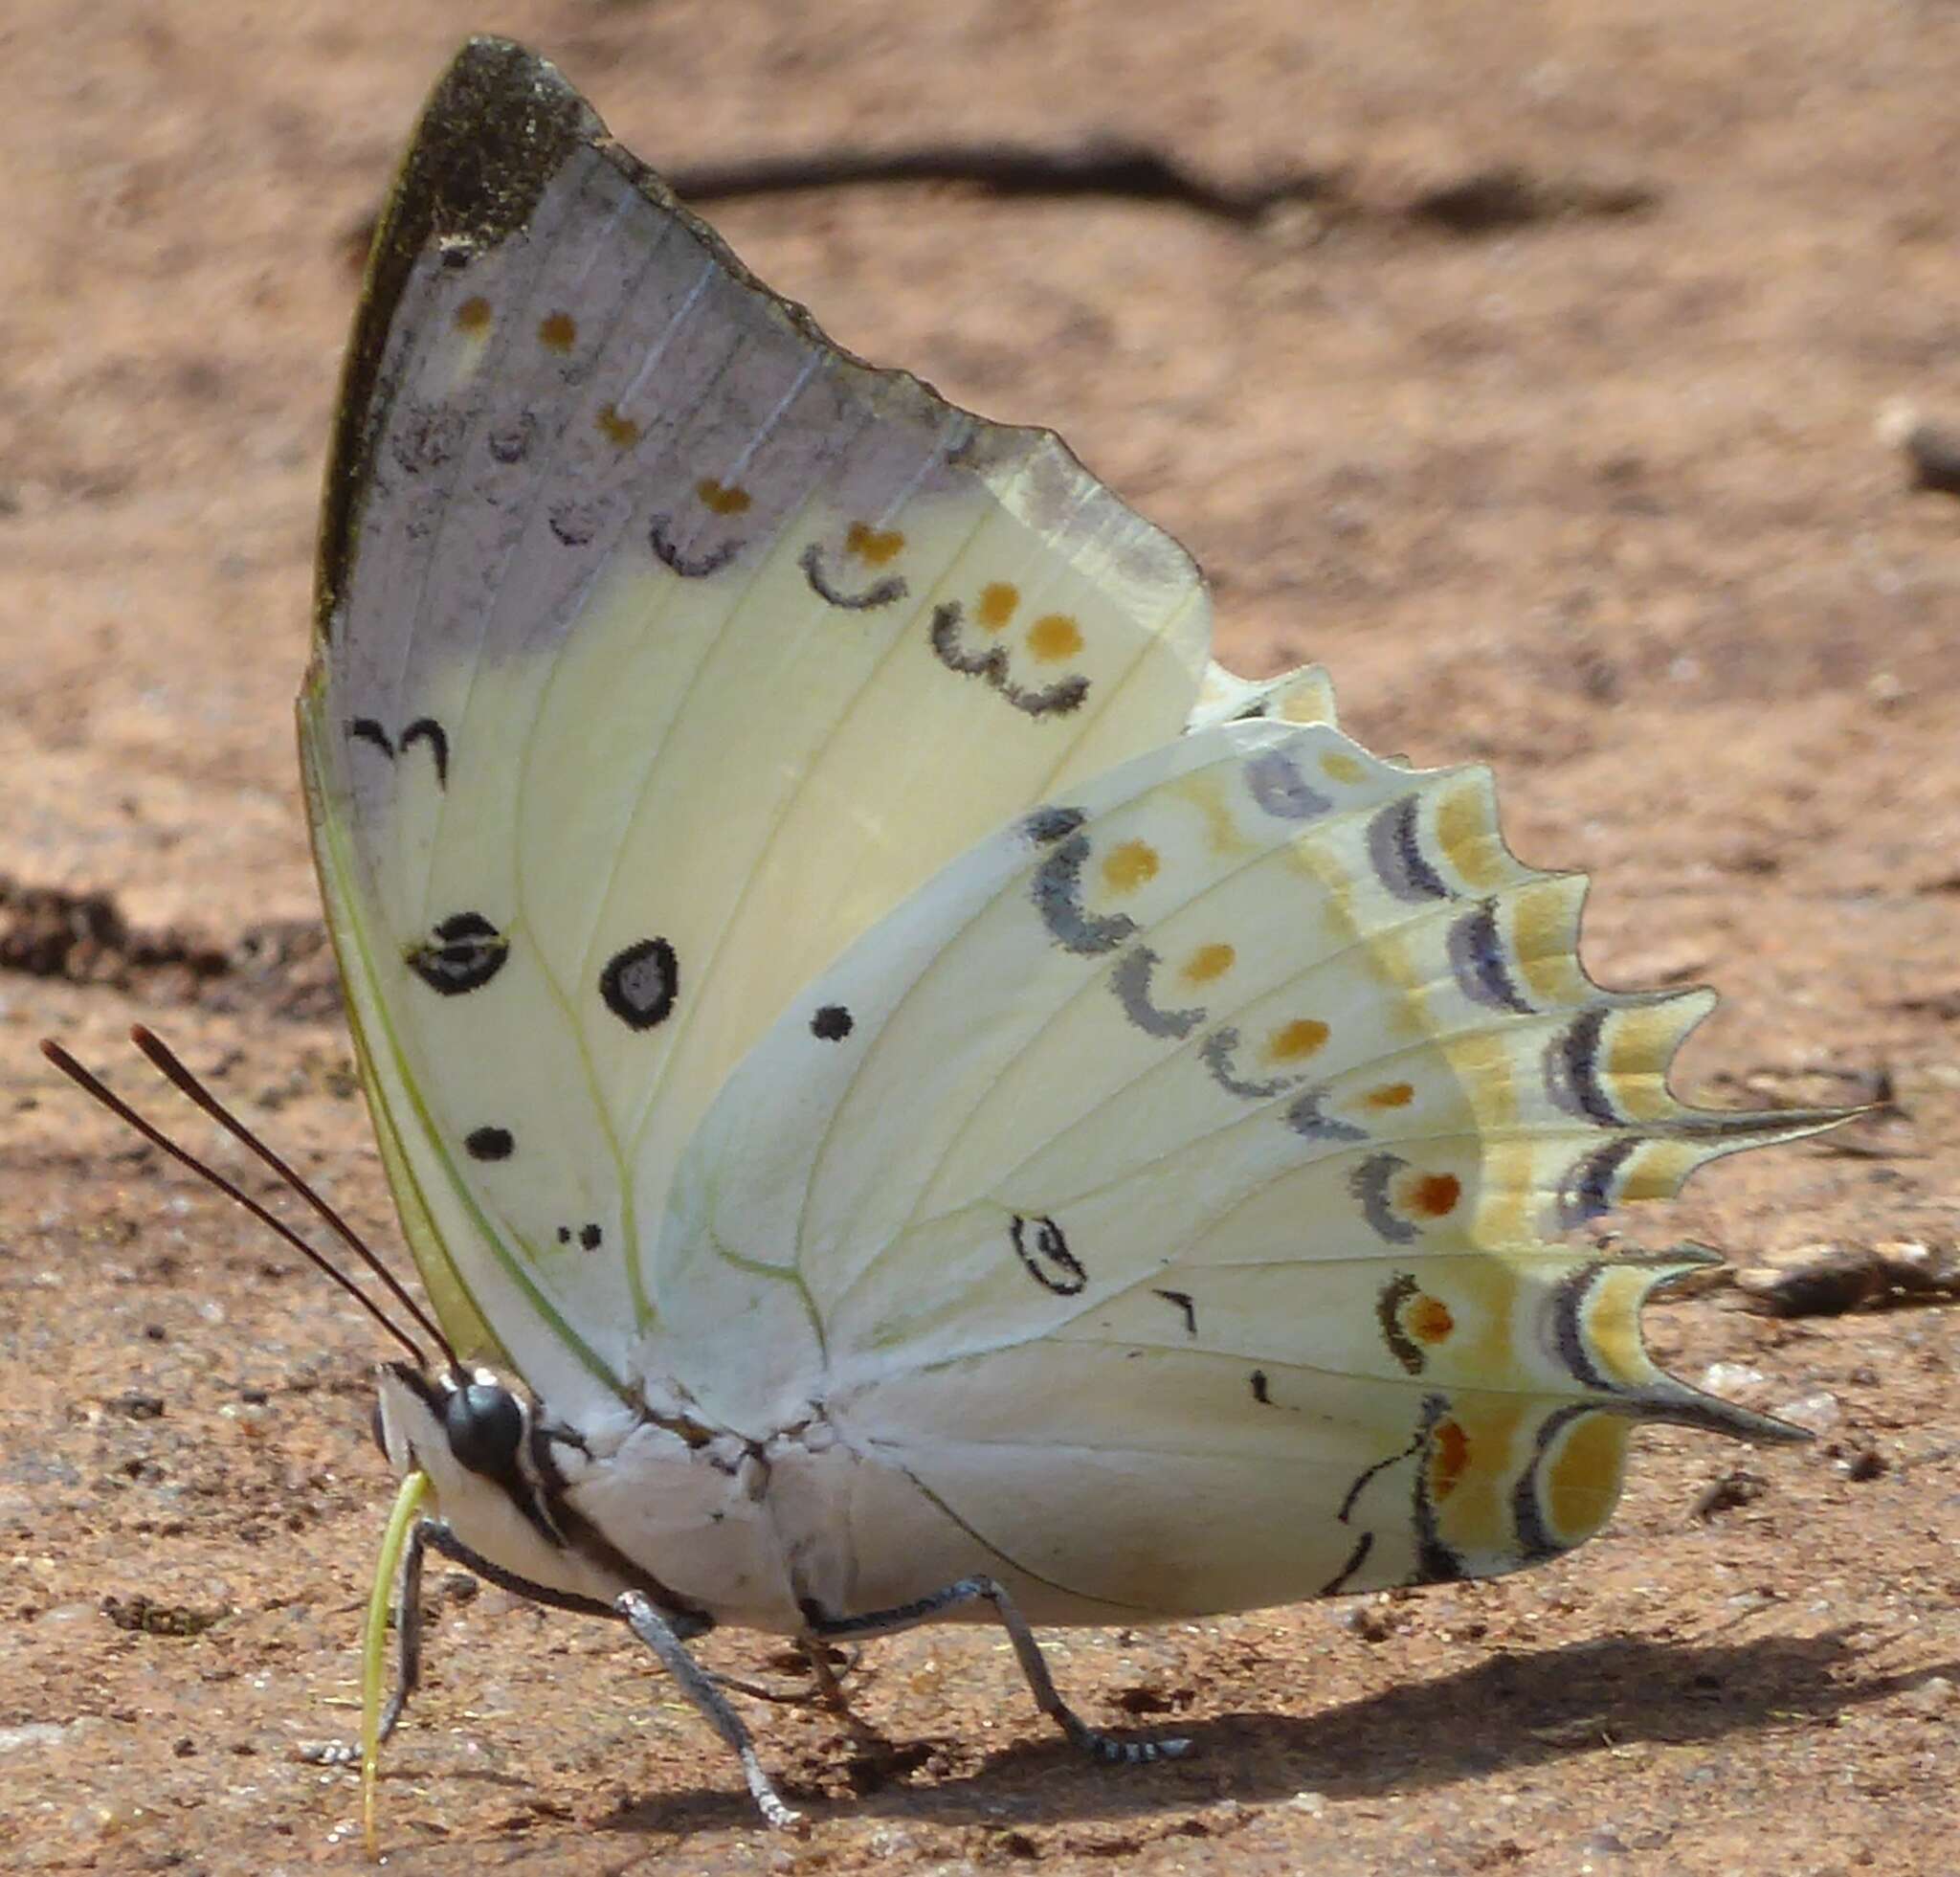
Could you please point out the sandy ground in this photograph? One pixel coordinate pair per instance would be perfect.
(1544, 417)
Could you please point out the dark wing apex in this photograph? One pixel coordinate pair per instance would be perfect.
(498, 124)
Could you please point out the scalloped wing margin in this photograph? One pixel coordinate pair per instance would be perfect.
(1198, 1153)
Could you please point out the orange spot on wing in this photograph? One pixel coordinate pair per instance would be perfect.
(622, 433)
(872, 545)
(473, 315)
(1209, 961)
(1292, 1042)
(1129, 865)
(721, 498)
(1581, 1484)
(1435, 1194)
(1341, 767)
(1055, 636)
(997, 603)
(1391, 1095)
(1449, 1458)
(1427, 1318)
(557, 331)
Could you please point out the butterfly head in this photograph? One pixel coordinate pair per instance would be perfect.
(494, 1469)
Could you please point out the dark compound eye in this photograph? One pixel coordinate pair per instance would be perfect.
(378, 1428)
(484, 1424)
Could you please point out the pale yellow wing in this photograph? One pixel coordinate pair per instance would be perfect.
(661, 647)
(1178, 1187)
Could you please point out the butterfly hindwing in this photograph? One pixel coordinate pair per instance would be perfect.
(660, 649)
(1215, 1128)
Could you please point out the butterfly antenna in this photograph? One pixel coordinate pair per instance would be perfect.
(92, 1085)
(169, 1065)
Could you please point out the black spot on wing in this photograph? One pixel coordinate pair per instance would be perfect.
(489, 1143)
(640, 983)
(1262, 1392)
(465, 952)
(832, 1023)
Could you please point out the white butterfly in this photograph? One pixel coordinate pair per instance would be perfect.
(913, 1094)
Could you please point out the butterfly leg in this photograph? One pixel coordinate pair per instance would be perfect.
(1027, 1650)
(659, 1636)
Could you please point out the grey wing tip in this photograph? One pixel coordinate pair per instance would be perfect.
(1675, 1401)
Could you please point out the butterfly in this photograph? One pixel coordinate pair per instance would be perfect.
(913, 1093)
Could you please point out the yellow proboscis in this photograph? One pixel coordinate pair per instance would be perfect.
(407, 1503)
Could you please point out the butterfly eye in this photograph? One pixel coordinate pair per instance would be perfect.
(378, 1428)
(485, 1424)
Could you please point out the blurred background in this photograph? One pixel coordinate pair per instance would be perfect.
(1538, 368)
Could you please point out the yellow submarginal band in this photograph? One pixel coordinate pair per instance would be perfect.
(407, 1502)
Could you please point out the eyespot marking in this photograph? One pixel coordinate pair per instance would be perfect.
(465, 952)
(722, 497)
(880, 593)
(489, 1143)
(1057, 891)
(557, 332)
(1045, 1254)
(473, 316)
(689, 566)
(1394, 847)
(640, 983)
(1275, 782)
(991, 666)
(1130, 984)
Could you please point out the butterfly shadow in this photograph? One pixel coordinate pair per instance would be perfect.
(1511, 1710)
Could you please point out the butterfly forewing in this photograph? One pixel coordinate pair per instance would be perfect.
(661, 648)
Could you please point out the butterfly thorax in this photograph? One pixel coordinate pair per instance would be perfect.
(653, 1499)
